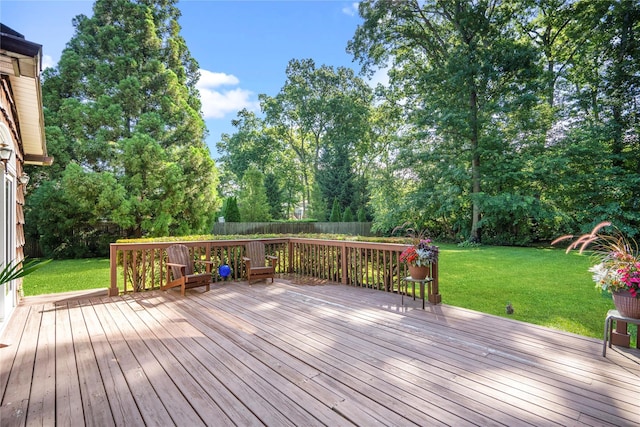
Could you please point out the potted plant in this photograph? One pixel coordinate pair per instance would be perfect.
(616, 268)
(421, 254)
(418, 258)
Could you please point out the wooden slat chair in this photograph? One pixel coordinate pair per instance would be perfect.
(255, 262)
(180, 266)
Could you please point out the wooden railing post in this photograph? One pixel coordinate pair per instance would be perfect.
(434, 296)
(345, 268)
(113, 263)
(290, 256)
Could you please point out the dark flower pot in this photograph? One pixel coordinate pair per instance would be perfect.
(627, 305)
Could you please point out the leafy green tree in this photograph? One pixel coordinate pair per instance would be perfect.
(462, 77)
(123, 101)
(335, 212)
(70, 215)
(315, 106)
(593, 164)
(250, 146)
(252, 200)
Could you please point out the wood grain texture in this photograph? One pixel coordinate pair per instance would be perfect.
(294, 353)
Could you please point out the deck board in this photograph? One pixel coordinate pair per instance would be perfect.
(42, 399)
(472, 382)
(121, 401)
(292, 354)
(68, 398)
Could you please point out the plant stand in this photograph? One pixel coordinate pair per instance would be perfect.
(619, 336)
(422, 282)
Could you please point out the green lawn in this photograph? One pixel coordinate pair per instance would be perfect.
(68, 275)
(545, 286)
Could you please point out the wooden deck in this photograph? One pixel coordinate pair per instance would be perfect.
(288, 354)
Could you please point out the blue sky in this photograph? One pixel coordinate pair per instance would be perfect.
(242, 47)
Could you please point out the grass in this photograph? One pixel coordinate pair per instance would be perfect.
(68, 275)
(545, 286)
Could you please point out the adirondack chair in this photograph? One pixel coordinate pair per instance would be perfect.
(255, 262)
(180, 266)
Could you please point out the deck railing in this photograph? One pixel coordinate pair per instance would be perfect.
(138, 267)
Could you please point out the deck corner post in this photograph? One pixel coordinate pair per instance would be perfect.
(113, 264)
(434, 295)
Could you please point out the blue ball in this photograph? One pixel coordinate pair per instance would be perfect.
(224, 270)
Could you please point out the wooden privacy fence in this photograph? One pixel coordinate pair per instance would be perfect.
(138, 267)
(295, 227)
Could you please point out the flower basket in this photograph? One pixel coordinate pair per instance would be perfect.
(418, 272)
(617, 268)
(627, 305)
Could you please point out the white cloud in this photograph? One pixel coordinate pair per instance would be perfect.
(47, 62)
(211, 79)
(351, 10)
(218, 102)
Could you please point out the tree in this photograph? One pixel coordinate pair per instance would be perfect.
(461, 74)
(347, 216)
(314, 107)
(231, 211)
(596, 158)
(123, 101)
(362, 215)
(251, 145)
(252, 200)
(274, 195)
(74, 213)
(335, 212)
(335, 175)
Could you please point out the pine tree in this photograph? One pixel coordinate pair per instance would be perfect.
(231, 212)
(347, 216)
(335, 211)
(123, 103)
(362, 215)
(253, 198)
(335, 175)
(274, 195)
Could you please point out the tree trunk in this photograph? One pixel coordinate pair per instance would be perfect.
(475, 169)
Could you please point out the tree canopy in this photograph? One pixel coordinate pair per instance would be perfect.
(506, 122)
(124, 123)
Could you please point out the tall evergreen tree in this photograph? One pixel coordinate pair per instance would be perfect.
(335, 212)
(122, 101)
(274, 195)
(231, 211)
(347, 216)
(335, 175)
(252, 200)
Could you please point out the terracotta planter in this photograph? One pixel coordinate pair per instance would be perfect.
(418, 273)
(626, 304)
